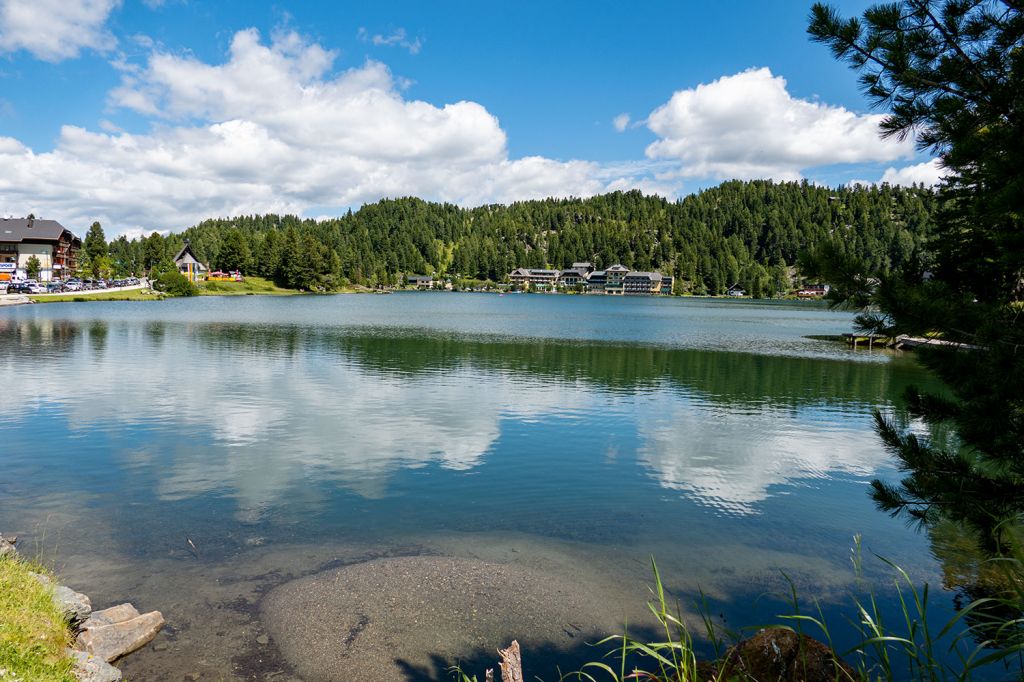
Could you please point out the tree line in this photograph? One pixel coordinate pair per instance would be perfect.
(747, 234)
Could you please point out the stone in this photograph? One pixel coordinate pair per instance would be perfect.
(161, 646)
(89, 668)
(192, 676)
(778, 655)
(110, 642)
(75, 605)
(114, 614)
(263, 639)
(7, 547)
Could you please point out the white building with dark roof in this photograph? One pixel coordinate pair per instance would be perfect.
(54, 245)
(642, 283)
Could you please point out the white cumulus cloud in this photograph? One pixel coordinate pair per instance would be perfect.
(748, 126)
(275, 127)
(54, 30)
(928, 173)
(621, 122)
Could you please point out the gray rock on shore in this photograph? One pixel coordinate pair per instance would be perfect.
(89, 668)
(75, 605)
(109, 616)
(7, 546)
(111, 639)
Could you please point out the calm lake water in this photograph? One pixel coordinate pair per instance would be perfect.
(580, 434)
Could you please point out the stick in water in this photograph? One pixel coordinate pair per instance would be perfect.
(511, 664)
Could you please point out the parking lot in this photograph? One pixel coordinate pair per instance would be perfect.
(73, 285)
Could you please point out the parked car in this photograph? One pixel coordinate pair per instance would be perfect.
(35, 287)
(73, 285)
(54, 287)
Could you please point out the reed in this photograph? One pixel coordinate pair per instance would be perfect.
(983, 638)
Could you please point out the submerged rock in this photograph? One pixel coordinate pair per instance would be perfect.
(89, 668)
(414, 616)
(779, 655)
(110, 642)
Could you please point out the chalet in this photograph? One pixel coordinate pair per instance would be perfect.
(188, 264)
(813, 291)
(529, 277)
(596, 281)
(576, 275)
(639, 283)
(614, 278)
(420, 281)
(54, 246)
(736, 291)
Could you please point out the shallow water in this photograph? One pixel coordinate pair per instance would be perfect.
(581, 435)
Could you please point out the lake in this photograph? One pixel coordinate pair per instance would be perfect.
(211, 457)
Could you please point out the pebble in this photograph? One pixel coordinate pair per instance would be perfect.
(160, 646)
(263, 639)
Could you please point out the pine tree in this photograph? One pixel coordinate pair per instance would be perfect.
(951, 74)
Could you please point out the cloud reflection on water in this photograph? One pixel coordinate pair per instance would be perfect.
(261, 410)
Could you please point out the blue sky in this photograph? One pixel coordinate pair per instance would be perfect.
(152, 115)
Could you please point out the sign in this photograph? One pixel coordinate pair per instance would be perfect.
(8, 267)
(5, 277)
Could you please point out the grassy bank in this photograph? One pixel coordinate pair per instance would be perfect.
(250, 286)
(33, 631)
(129, 295)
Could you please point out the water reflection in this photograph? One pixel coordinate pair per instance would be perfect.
(256, 411)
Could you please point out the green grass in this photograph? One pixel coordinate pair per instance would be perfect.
(250, 286)
(129, 295)
(33, 631)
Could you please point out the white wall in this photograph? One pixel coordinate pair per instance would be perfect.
(44, 252)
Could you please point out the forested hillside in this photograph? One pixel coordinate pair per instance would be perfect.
(746, 233)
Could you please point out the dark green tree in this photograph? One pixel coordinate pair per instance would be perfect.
(95, 243)
(153, 251)
(234, 252)
(951, 74)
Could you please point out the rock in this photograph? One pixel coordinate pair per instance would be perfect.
(115, 614)
(40, 577)
(778, 655)
(161, 646)
(263, 639)
(7, 547)
(75, 605)
(192, 676)
(89, 668)
(110, 642)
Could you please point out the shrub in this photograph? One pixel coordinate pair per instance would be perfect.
(173, 283)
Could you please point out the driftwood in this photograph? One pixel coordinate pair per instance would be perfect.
(511, 664)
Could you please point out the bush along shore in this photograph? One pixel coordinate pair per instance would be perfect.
(50, 632)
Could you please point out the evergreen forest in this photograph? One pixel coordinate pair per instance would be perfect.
(747, 234)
